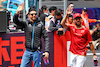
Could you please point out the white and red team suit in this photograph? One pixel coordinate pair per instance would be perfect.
(78, 47)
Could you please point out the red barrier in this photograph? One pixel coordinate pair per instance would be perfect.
(13, 52)
(60, 49)
(12, 47)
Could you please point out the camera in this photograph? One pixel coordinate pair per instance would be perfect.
(60, 33)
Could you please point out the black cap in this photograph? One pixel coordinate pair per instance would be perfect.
(84, 9)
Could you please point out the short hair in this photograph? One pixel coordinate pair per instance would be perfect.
(32, 8)
(70, 16)
(44, 7)
(84, 9)
(71, 3)
(58, 12)
(61, 11)
(39, 12)
(52, 8)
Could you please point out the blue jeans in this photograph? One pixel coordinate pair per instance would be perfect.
(28, 56)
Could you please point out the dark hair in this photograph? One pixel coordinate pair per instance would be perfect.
(84, 9)
(44, 7)
(32, 8)
(16, 4)
(71, 3)
(61, 11)
(10, 2)
(70, 16)
(52, 8)
(58, 12)
(39, 12)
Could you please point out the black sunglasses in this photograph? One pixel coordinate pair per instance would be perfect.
(33, 14)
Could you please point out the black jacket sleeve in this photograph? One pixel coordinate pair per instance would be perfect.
(18, 21)
(46, 38)
(52, 26)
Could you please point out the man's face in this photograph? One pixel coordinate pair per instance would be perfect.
(53, 11)
(70, 20)
(77, 21)
(46, 11)
(71, 6)
(58, 17)
(33, 15)
(84, 12)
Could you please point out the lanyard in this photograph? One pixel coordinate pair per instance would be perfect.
(33, 35)
(40, 53)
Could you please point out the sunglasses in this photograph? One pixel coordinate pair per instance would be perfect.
(72, 6)
(33, 14)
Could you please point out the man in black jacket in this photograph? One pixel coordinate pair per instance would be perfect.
(34, 29)
(55, 23)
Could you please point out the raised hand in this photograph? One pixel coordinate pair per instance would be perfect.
(69, 11)
(20, 8)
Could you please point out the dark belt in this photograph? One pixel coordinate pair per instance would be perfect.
(32, 50)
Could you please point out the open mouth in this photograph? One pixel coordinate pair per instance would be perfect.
(78, 22)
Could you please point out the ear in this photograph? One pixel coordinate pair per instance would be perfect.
(28, 15)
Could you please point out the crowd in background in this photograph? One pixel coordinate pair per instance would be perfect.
(51, 18)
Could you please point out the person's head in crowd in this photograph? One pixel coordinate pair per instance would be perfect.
(77, 19)
(70, 19)
(39, 12)
(44, 9)
(32, 14)
(84, 11)
(58, 14)
(71, 6)
(62, 13)
(52, 10)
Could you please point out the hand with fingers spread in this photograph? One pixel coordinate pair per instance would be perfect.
(68, 11)
(20, 8)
